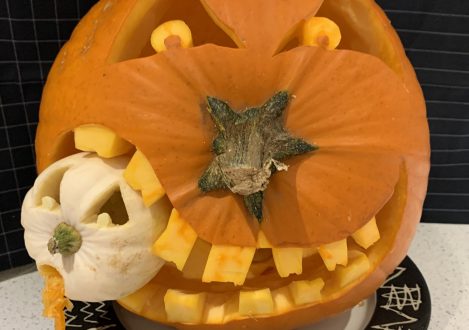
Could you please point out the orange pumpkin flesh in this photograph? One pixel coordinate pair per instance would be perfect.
(383, 147)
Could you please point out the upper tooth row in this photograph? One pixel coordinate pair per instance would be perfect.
(231, 263)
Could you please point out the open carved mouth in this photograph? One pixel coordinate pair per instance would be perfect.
(241, 174)
(269, 280)
(199, 283)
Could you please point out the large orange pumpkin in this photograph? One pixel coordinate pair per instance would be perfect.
(359, 105)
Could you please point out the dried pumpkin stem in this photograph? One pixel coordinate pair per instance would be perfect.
(249, 148)
(65, 240)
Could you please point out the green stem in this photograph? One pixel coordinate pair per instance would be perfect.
(65, 240)
(249, 148)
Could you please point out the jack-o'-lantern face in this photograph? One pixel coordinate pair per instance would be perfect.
(296, 170)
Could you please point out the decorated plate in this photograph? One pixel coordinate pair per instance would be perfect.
(402, 302)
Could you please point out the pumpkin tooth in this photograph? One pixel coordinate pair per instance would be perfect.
(306, 291)
(176, 242)
(215, 310)
(104, 220)
(256, 302)
(215, 314)
(320, 31)
(262, 241)
(334, 253)
(170, 34)
(228, 264)
(231, 308)
(184, 307)
(102, 140)
(367, 235)
(283, 300)
(49, 203)
(140, 175)
(288, 260)
(358, 266)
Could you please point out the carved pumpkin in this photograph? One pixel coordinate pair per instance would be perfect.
(296, 171)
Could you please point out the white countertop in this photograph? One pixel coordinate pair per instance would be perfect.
(440, 251)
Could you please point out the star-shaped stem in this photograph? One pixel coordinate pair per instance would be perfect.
(249, 148)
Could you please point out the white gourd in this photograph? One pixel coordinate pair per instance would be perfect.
(111, 260)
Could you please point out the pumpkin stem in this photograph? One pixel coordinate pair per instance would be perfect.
(66, 240)
(249, 148)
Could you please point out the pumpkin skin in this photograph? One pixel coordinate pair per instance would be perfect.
(91, 55)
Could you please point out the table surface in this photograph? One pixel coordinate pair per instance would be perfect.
(441, 252)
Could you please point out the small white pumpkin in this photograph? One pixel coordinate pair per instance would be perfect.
(100, 256)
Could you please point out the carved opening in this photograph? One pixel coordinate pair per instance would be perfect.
(362, 30)
(116, 209)
(133, 40)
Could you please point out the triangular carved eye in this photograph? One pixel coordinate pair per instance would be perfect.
(369, 34)
(133, 41)
(113, 210)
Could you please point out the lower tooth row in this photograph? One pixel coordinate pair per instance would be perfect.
(158, 303)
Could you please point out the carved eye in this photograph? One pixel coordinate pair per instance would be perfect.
(133, 41)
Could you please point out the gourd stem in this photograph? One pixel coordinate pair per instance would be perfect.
(65, 240)
(250, 146)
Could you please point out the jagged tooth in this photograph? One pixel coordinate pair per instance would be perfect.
(283, 300)
(334, 254)
(140, 175)
(102, 140)
(358, 266)
(49, 203)
(215, 309)
(184, 307)
(367, 235)
(215, 314)
(228, 264)
(104, 220)
(262, 241)
(176, 242)
(232, 308)
(256, 302)
(288, 260)
(306, 291)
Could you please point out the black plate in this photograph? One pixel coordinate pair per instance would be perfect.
(403, 302)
